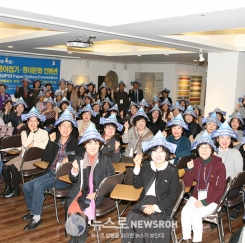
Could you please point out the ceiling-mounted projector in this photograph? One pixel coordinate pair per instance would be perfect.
(80, 43)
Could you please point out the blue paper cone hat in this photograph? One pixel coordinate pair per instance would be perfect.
(70, 108)
(91, 133)
(197, 107)
(224, 130)
(204, 139)
(212, 118)
(58, 93)
(189, 110)
(20, 101)
(178, 121)
(49, 100)
(26, 80)
(238, 116)
(177, 106)
(165, 90)
(62, 80)
(66, 116)
(155, 98)
(136, 81)
(132, 103)
(89, 96)
(143, 103)
(156, 108)
(121, 82)
(36, 80)
(97, 102)
(159, 140)
(33, 113)
(140, 113)
(64, 99)
(87, 108)
(112, 119)
(241, 98)
(103, 85)
(217, 109)
(40, 94)
(114, 108)
(70, 82)
(166, 101)
(107, 100)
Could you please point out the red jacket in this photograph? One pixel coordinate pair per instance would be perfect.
(216, 180)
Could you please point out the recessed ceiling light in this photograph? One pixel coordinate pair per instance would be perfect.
(166, 54)
(10, 46)
(195, 60)
(138, 55)
(202, 15)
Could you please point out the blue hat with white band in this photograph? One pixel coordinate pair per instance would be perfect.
(136, 81)
(91, 133)
(177, 106)
(237, 116)
(213, 118)
(156, 108)
(62, 80)
(66, 116)
(204, 139)
(26, 80)
(159, 140)
(178, 121)
(166, 101)
(40, 94)
(87, 108)
(190, 111)
(50, 101)
(112, 119)
(165, 90)
(121, 82)
(143, 103)
(103, 85)
(224, 130)
(33, 113)
(20, 101)
(114, 108)
(140, 113)
(217, 109)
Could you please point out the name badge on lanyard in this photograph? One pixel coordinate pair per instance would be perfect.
(202, 194)
(121, 101)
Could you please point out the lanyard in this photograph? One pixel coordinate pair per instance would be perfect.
(199, 175)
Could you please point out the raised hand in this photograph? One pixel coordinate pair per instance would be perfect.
(190, 164)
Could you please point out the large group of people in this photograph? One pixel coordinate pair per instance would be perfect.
(86, 127)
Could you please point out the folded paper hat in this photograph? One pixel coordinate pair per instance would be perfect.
(36, 80)
(237, 116)
(91, 83)
(241, 98)
(107, 100)
(91, 133)
(87, 108)
(155, 98)
(132, 103)
(70, 108)
(58, 93)
(70, 82)
(121, 82)
(166, 101)
(33, 113)
(156, 108)
(62, 80)
(204, 139)
(26, 80)
(183, 99)
(40, 94)
(190, 111)
(112, 119)
(97, 102)
(136, 81)
(46, 90)
(217, 109)
(178, 121)
(196, 107)
(140, 113)
(143, 103)
(159, 140)
(103, 85)
(20, 101)
(212, 118)
(114, 108)
(224, 130)
(7, 100)
(165, 90)
(177, 106)
(64, 99)
(84, 85)
(66, 116)
(50, 101)
(89, 96)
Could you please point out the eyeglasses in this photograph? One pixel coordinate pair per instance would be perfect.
(205, 148)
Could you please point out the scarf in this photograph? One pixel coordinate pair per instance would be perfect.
(140, 139)
(83, 127)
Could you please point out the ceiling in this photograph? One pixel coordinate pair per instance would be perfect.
(158, 31)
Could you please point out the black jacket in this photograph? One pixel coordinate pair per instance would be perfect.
(124, 104)
(103, 169)
(133, 98)
(194, 129)
(156, 126)
(52, 149)
(29, 99)
(167, 185)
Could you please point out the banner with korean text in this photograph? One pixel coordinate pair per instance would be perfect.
(14, 69)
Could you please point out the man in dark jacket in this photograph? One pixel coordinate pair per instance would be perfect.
(26, 93)
(136, 94)
(121, 98)
(61, 148)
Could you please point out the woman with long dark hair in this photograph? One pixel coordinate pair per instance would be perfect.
(36, 90)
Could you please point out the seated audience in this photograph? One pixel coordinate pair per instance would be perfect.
(167, 115)
(165, 95)
(4, 96)
(198, 112)
(236, 123)
(96, 108)
(220, 114)
(177, 109)
(7, 108)
(40, 103)
(71, 94)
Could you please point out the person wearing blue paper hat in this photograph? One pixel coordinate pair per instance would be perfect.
(193, 127)
(20, 107)
(209, 173)
(121, 98)
(198, 112)
(136, 94)
(236, 123)
(135, 135)
(167, 114)
(71, 94)
(36, 89)
(114, 111)
(4, 96)
(240, 107)
(156, 123)
(88, 171)
(106, 105)
(49, 113)
(81, 94)
(40, 103)
(183, 103)
(62, 86)
(61, 148)
(177, 109)
(144, 105)
(164, 94)
(88, 99)
(133, 108)
(63, 104)
(7, 108)
(86, 113)
(111, 146)
(32, 136)
(49, 87)
(220, 114)
(47, 93)
(160, 182)
(211, 124)
(103, 92)
(178, 126)
(96, 108)
(231, 158)
(92, 91)
(25, 92)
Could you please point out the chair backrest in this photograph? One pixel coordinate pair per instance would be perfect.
(11, 141)
(63, 169)
(179, 198)
(108, 184)
(32, 154)
(238, 181)
(182, 163)
(128, 179)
